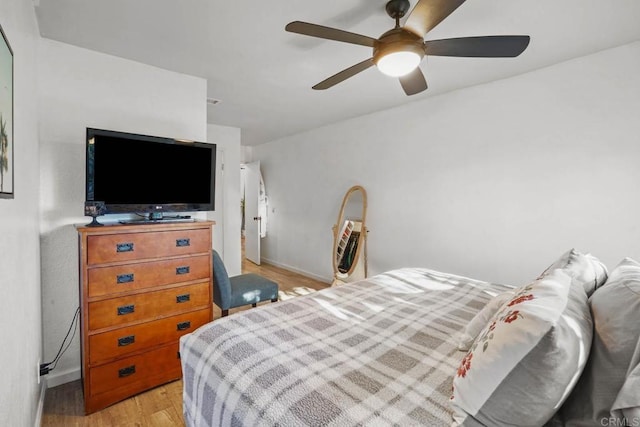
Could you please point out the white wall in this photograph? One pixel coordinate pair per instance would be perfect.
(19, 244)
(492, 182)
(228, 216)
(80, 88)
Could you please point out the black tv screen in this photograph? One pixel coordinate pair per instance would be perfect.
(134, 173)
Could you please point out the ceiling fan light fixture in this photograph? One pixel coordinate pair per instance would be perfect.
(398, 52)
(397, 64)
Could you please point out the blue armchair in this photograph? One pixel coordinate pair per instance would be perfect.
(236, 291)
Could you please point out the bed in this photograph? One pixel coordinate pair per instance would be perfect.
(563, 349)
(381, 351)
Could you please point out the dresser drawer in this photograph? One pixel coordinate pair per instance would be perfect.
(162, 362)
(123, 278)
(148, 306)
(134, 246)
(122, 342)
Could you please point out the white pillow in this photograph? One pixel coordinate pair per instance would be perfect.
(481, 319)
(528, 358)
(585, 269)
(609, 388)
(627, 404)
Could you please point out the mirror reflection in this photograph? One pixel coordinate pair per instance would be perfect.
(349, 248)
(348, 244)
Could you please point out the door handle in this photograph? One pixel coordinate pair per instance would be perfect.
(257, 218)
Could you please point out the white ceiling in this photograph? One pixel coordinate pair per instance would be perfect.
(263, 75)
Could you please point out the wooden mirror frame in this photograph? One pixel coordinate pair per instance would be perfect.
(361, 238)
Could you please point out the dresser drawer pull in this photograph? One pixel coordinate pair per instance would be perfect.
(184, 325)
(125, 278)
(182, 270)
(125, 372)
(124, 341)
(183, 242)
(124, 247)
(126, 309)
(183, 298)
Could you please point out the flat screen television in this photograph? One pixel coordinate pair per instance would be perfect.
(149, 175)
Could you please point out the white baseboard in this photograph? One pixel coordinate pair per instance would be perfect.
(40, 408)
(57, 378)
(299, 271)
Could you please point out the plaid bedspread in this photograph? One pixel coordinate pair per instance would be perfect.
(377, 352)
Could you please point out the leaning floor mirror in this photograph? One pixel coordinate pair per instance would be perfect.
(350, 238)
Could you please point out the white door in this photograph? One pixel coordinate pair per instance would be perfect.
(251, 216)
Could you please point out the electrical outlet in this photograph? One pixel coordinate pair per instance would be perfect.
(38, 371)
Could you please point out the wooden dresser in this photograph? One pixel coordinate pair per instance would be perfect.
(141, 288)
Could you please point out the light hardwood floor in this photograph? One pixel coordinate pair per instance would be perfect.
(162, 406)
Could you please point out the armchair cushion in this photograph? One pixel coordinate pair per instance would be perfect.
(251, 288)
(236, 291)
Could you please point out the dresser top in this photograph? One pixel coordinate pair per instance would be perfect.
(112, 228)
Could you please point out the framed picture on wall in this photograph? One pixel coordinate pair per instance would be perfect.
(6, 118)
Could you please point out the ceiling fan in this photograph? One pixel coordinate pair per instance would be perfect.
(399, 51)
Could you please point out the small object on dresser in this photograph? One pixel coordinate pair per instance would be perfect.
(94, 209)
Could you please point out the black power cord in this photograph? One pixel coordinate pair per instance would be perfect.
(45, 368)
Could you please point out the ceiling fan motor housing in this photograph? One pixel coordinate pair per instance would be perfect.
(397, 8)
(397, 40)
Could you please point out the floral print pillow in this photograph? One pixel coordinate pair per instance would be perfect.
(479, 321)
(527, 359)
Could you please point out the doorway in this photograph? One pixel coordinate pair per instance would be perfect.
(253, 202)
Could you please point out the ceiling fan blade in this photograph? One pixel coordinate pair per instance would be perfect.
(414, 82)
(329, 33)
(478, 47)
(428, 13)
(344, 74)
